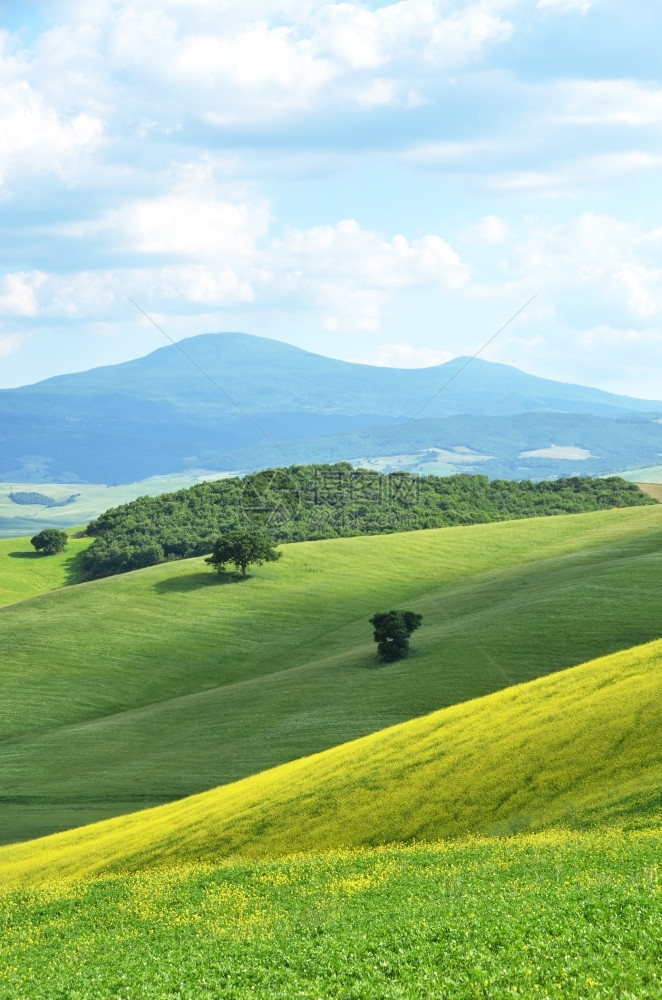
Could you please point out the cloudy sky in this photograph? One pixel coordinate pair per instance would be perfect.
(377, 181)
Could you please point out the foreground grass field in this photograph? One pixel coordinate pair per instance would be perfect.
(572, 915)
(580, 747)
(170, 681)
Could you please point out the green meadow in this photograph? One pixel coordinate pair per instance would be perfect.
(545, 916)
(170, 680)
(26, 573)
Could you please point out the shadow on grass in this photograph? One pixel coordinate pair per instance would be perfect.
(74, 568)
(196, 581)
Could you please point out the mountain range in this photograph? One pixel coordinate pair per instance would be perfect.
(231, 401)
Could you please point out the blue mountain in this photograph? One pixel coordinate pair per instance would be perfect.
(220, 398)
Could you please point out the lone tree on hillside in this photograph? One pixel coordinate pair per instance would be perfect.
(392, 631)
(49, 541)
(241, 548)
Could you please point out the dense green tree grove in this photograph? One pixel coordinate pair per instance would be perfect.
(309, 502)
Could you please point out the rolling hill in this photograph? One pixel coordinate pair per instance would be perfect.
(162, 414)
(576, 748)
(168, 681)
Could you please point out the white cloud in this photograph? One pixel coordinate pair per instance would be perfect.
(611, 102)
(491, 229)
(35, 138)
(566, 6)
(101, 295)
(185, 225)
(343, 273)
(199, 284)
(616, 261)
(360, 255)
(9, 344)
(350, 273)
(605, 337)
(258, 71)
(451, 154)
(642, 286)
(231, 63)
(596, 321)
(553, 139)
(18, 293)
(576, 174)
(201, 214)
(623, 359)
(357, 37)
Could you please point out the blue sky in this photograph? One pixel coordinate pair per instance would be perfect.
(385, 182)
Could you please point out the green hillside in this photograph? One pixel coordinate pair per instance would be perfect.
(26, 573)
(169, 681)
(576, 748)
(308, 503)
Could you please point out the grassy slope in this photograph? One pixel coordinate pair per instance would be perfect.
(26, 573)
(557, 914)
(167, 681)
(579, 746)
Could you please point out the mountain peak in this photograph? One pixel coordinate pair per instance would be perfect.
(161, 413)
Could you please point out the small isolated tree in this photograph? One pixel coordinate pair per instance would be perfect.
(242, 548)
(49, 541)
(392, 631)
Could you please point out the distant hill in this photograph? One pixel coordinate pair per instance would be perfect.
(542, 445)
(159, 414)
